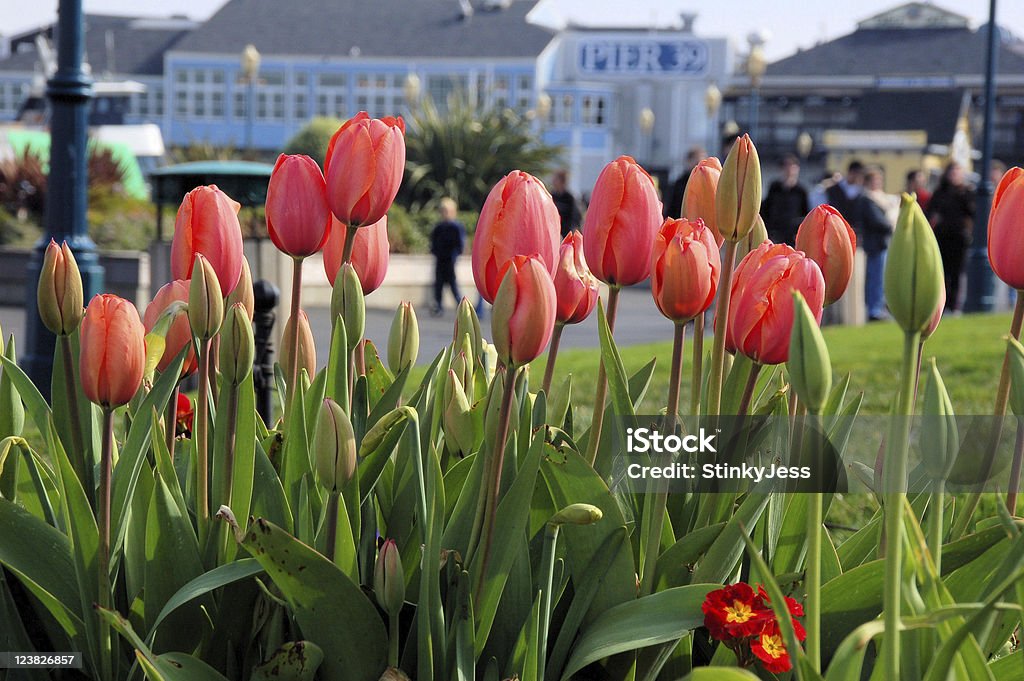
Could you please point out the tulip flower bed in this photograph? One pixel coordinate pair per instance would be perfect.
(465, 524)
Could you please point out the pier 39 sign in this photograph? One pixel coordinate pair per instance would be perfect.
(640, 57)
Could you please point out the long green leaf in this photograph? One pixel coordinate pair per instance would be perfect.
(168, 667)
(207, 583)
(719, 674)
(721, 559)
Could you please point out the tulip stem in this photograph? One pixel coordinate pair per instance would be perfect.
(999, 411)
(602, 383)
(103, 567)
(83, 468)
(393, 641)
(293, 370)
(1018, 453)
(549, 367)
(895, 473)
(350, 241)
(815, 520)
(697, 382)
(675, 374)
(748, 389)
(547, 565)
(201, 437)
(171, 421)
(935, 529)
(714, 403)
(331, 529)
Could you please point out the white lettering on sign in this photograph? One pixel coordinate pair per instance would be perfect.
(647, 57)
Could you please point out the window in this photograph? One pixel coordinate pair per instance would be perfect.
(593, 109)
(499, 93)
(301, 105)
(241, 104)
(524, 92)
(217, 104)
(565, 109)
(332, 95)
(181, 103)
(217, 77)
(379, 94)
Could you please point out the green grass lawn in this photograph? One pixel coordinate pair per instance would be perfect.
(968, 349)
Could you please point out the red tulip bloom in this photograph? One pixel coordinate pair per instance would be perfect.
(685, 266)
(1006, 229)
(370, 253)
(184, 415)
(297, 214)
(518, 218)
(207, 223)
(621, 224)
(734, 612)
(699, 197)
(179, 335)
(827, 239)
(523, 317)
(770, 649)
(761, 311)
(575, 287)
(364, 166)
(113, 351)
(750, 262)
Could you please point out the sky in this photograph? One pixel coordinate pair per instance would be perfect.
(788, 24)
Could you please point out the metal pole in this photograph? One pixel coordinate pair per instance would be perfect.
(265, 296)
(250, 120)
(69, 92)
(980, 283)
(755, 101)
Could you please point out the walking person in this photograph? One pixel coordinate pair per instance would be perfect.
(447, 241)
(951, 214)
(569, 213)
(878, 212)
(786, 203)
(672, 204)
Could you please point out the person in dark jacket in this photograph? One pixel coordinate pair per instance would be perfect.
(569, 213)
(672, 205)
(786, 204)
(447, 241)
(877, 212)
(951, 214)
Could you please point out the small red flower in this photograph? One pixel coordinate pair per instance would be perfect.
(770, 649)
(734, 612)
(184, 415)
(795, 610)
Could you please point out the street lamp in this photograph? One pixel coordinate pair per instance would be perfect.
(804, 144)
(250, 74)
(411, 89)
(712, 102)
(646, 126)
(69, 92)
(756, 67)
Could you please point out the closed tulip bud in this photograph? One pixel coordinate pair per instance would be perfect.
(296, 208)
(363, 168)
(60, 295)
(761, 314)
(375, 437)
(685, 269)
(758, 235)
(913, 271)
(523, 317)
(621, 223)
(244, 292)
(207, 223)
(738, 199)
(577, 514)
(370, 253)
(389, 579)
(334, 446)
(1005, 236)
(940, 437)
(467, 323)
(179, 334)
(462, 365)
(205, 300)
(306, 347)
(827, 239)
(404, 338)
(347, 302)
(810, 370)
(575, 288)
(237, 346)
(113, 351)
(518, 218)
(460, 431)
(937, 317)
(699, 196)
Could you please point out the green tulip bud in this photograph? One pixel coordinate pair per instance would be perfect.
(380, 430)
(306, 348)
(237, 347)
(913, 271)
(460, 431)
(577, 514)
(12, 411)
(244, 292)
(348, 302)
(467, 322)
(758, 235)
(60, 295)
(389, 579)
(810, 371)
(205, 300)
(334, 446)
(404, 338)
(940, 438)
(738, 197)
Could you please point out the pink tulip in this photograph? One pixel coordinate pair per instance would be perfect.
(575, 287)
(699, 197)
(761, 314)
(1006, 229)
(827, 239)
(207, 223)
(306, 347)
(297, 214)
(179, 335)
(518, 218)
(523, 317)
(752, 261)
(370, 253)
(685, 266)
(364, 167)
(621, 224)
(113, 351)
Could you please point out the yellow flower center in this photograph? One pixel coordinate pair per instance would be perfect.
(739, 612)
(773, 645)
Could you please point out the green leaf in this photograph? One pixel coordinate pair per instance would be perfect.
(294, 661)
(658, 618)
(321, 596)
(12, 411)
(721, 559)
(675, 563)
(206, 583)
(168, 667)
(1009, 668)
(719, 674)
(36, 405)
(618, 386)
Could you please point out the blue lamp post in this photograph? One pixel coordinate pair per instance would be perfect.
(69, 92)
